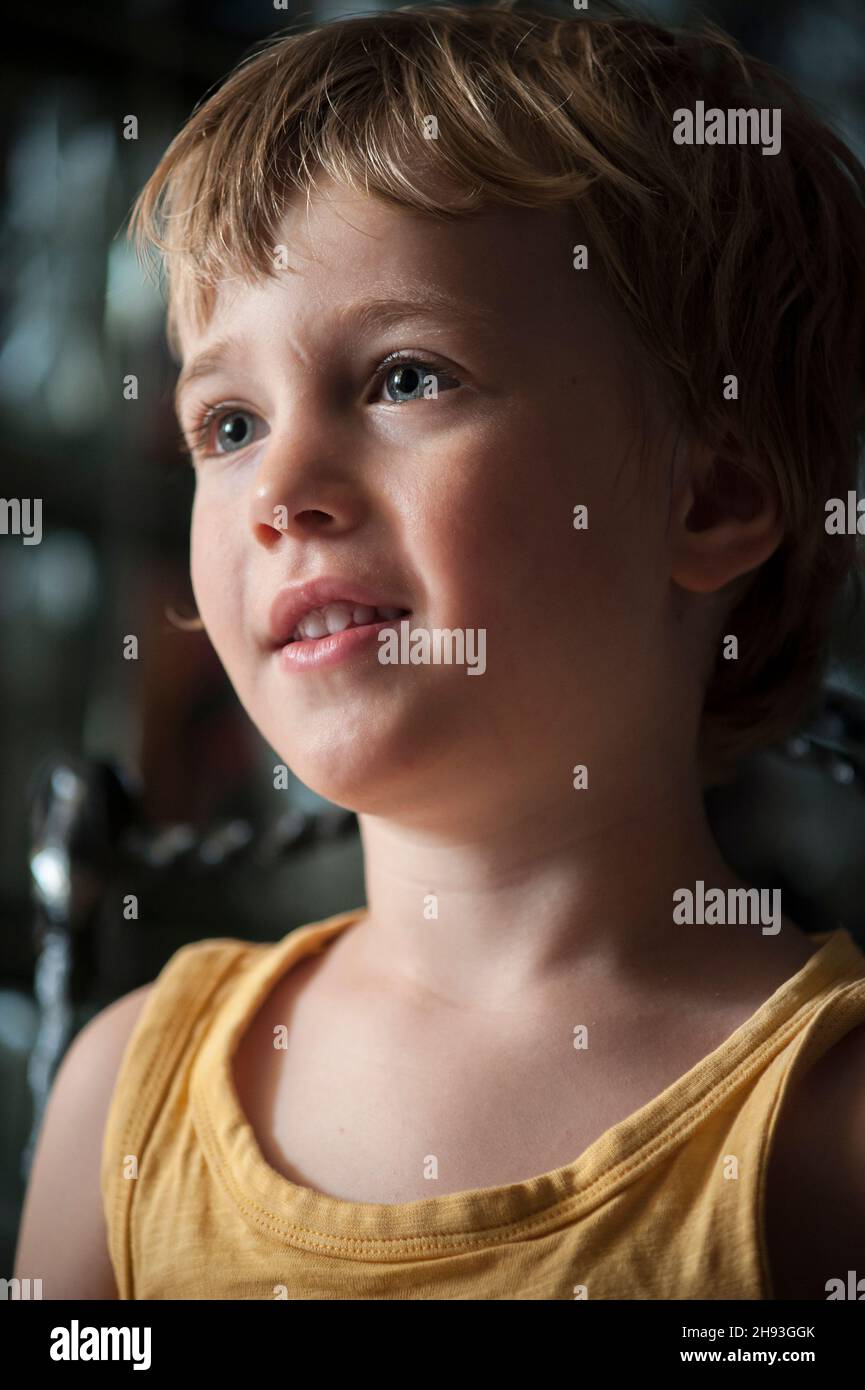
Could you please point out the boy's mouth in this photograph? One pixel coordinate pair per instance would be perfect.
(339, 616)
(325, 607)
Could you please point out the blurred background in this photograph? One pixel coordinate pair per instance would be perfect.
(142, 779)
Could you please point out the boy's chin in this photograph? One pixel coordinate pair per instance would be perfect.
(361, 779)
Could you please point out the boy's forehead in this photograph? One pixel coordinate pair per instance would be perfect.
(346, 234)
(342, 257)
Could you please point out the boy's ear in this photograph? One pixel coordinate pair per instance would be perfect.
(723, 523)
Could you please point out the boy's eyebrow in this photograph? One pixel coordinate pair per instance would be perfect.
(203, 365)
(383, 313)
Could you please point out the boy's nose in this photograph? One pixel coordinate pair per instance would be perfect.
(303, 502)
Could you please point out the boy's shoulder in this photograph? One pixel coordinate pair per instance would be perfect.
(68, 1158)
(815, 1192)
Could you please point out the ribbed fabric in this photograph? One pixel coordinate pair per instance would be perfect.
(650, 1210)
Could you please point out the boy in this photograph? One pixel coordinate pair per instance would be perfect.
(475, 339)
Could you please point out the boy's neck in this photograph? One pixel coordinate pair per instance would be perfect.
(500, 912)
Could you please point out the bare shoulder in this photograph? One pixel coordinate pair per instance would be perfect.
(62, 1238)
(815, 1193)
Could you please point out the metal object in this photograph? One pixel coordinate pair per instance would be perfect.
(86, 825)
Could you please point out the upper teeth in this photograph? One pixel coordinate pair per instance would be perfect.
(336, 617)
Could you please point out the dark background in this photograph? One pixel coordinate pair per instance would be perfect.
(77, 316)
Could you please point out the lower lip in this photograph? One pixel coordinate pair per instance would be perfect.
(336, 647)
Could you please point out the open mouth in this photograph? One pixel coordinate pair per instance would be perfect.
(336, 617)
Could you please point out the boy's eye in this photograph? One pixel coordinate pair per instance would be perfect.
(234, 431)
(222, 431)
(413, 380)
(228, 429)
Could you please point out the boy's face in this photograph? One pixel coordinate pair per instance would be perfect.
(459, 507)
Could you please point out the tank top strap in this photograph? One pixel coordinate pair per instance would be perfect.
(832, 1006)
(182, 999)
(841, 1009)
(738, 1137)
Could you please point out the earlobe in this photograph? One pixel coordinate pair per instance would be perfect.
(724, 525)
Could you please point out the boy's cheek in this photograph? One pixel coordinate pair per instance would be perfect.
(217, 578)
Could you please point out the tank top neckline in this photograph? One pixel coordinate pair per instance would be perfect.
(476, 1217)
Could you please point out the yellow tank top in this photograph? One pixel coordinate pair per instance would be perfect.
(668, 1204)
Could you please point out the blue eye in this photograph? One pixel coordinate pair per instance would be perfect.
(406, 378)
(235, 429)
(223, 429)
(233, 435)
(415, 377)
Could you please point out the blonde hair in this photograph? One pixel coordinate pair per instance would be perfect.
(724, 260)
